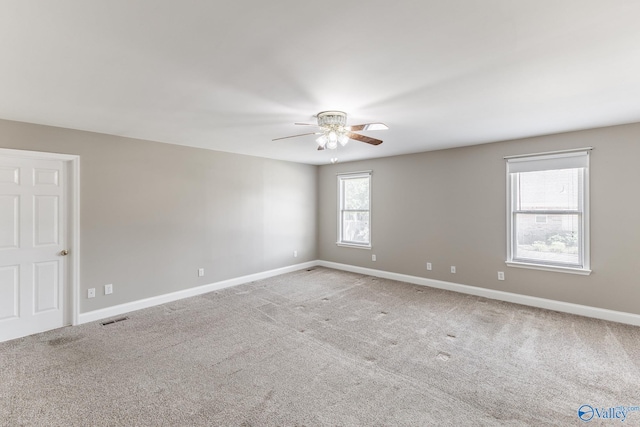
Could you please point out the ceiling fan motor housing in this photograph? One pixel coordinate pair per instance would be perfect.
(332, 119)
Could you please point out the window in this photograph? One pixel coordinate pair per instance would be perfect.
(548, 213)
(354, 209)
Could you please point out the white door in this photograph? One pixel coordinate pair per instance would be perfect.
(32, 244)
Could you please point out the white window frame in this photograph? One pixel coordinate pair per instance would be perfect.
(566, 159)
(341, 178)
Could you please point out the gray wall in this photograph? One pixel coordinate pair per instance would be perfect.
(449, 207)
(151, 214)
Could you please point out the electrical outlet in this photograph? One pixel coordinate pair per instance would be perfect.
(200, 272)
(91, 293)
(500, 275)
(295, 254)
(108, 289)
(429, 266)
(373, 257)
(453, 269)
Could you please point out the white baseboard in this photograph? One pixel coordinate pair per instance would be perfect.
(565, 307)
(117, 310)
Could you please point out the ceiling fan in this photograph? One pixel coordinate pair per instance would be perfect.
(334, 130)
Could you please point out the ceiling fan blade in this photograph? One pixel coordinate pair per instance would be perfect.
(306, 124)
(363, 138)
(369, 126)
(293, 136)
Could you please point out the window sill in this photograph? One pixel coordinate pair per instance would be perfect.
(353, 245)
(570, 270)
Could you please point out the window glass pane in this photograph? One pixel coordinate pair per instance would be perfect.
(356, 193)
(549, 190)
(355, 227)
(554, 241)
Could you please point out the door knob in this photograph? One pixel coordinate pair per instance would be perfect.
(64, 252)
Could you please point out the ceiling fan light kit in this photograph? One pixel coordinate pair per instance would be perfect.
(334, 129)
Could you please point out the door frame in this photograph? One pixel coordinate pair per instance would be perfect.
(72, 193)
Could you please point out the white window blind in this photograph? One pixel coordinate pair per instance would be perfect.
(549, 162)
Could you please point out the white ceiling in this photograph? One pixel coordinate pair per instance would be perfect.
(232, 75)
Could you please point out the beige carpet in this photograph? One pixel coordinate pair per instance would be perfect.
(325, 348)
